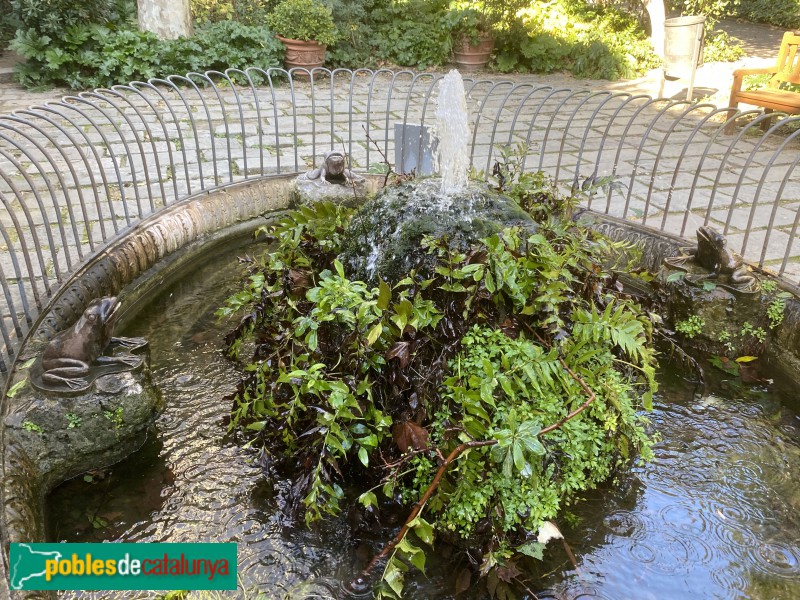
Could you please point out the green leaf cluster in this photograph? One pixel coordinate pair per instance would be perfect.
(308, 20)
(247, 12)
(783, 13)
(94, 55)
(591, 41)
(52, 17)
(520, 342)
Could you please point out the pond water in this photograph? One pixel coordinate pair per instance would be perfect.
(715, 515)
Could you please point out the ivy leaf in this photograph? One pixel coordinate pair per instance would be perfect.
(463, 581)
(532, 549)
(374, 334)
(368, 499)
(384, 295)
(393, 576)
(508, 572)
(676, 276)
(709, 286)
(423, 529)
(418, 560)
(725, 364)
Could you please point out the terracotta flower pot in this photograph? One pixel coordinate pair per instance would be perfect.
(469, 56)
(301, 53)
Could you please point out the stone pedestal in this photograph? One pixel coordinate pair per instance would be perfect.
(63, 436)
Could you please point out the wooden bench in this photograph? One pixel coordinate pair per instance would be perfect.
(771, 97)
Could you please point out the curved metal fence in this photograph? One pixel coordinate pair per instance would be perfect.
(76, 173)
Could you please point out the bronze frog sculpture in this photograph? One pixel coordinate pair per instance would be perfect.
(68, 358)
(712, 254)
(333, 170)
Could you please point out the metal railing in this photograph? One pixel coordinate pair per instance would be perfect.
(75, 174)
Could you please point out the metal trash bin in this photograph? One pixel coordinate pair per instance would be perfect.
(684, 38)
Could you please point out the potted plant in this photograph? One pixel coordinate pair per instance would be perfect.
(306, 28)
(472, 37)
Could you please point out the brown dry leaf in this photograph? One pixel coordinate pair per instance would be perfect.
(463, 581)
(299, 282)
(510, 327)
(409, 435)
(400, 351)
(508, 572)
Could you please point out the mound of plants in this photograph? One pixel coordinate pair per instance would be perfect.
(480, 394)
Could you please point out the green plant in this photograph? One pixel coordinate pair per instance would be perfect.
(775, 312)
(307, 20)
(52, 17)
(515, 359)
(757, 332)
(712, 10)
(115, 416)
(720, 47)
(73, 421)
(412, 34)
(590, 41)
(8, 24)
(726, 339)
(783, 13)
(31, 426)
(88, 56)
(211, 11)
(691, 327)
(467, 23)
(769, 286)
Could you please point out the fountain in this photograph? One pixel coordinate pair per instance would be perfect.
(733, 533)
(452, 130)
(385, 237)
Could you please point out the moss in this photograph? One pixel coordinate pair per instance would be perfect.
(384, 238)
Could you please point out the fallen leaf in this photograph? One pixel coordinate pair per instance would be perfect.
(463, 581)
(510, 328)
(401, 351)
(409, 435)
(508, 572)
(299, 282)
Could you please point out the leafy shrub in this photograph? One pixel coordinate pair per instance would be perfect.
(247, 12)
(783, 13)
(720, 47)
(303, 20)
(601, 43)
(211, 11)
(412, 33)
(515, 357)
(354, 21)
(8, 23)
(88, 56)
(52, 17)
